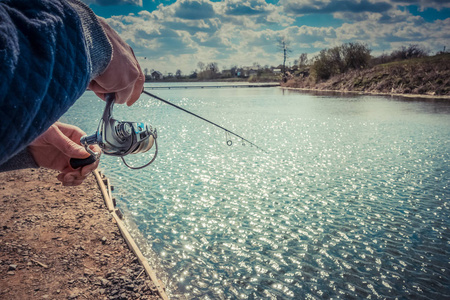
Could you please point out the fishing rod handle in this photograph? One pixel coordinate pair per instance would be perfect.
(76, 163)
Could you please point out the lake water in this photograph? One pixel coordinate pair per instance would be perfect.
(351, 200)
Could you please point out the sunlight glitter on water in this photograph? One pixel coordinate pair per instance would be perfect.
(351, 201)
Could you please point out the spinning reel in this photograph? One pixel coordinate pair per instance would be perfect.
(118, 138)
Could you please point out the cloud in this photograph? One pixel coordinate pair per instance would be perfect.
(113, 2)
(326, 7)
(194, 26)
(194, 9)
(424, 4)
(246, 8)
(251, 13)
(391, 16)
(232, 32)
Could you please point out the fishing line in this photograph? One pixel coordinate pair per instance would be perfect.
(229, 142)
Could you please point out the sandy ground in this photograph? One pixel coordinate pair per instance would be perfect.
(61, 243)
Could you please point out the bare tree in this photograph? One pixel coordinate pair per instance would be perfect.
(340, 59)
(356, 55)
(201, 65)
(303, 60)
(412, 51)
(284, 45)
(213, 67)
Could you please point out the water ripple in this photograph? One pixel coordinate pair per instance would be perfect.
(353, 200)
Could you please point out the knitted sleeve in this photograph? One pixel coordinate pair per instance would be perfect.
(49, 52)
(97, 43)
(22, 160)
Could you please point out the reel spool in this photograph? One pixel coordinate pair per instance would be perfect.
(118, 138)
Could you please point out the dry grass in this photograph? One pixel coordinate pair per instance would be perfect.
(424, 76)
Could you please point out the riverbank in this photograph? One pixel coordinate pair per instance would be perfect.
(427, 77)
(341, 92)
(62, 243)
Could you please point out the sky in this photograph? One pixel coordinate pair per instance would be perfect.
(176, 35)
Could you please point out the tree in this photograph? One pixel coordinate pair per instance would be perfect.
(209, 71)
(356, 56)
(303, 61)
(146, 75)
(322, 68)
(201, 65)
(178, 73)
(213, 67)
(412, 51)
(340, 59)
(234, 71)
(336, 60)
(284, 45)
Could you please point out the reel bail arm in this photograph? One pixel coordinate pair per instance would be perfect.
(118, 138)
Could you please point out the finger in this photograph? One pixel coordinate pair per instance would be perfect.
(86, 170)
(123, 95)
(60, 176)
(97, 88)
(96, 148)
(77, 182)
(132, 92)
(66, 178)
(65, 145)
(138, 87)
(72, 179)
(71, 131)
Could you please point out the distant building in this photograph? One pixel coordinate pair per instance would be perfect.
(252, 72)
(276, 71)
(227, 73)
(156, 75)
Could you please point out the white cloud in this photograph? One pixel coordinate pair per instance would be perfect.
(424, 4)
(302, 7)
(193, 9)
(243, 32)
(113, 2)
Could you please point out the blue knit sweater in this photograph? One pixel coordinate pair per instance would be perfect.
(49, 51)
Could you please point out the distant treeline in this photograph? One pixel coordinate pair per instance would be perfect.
(351, 56)
(350, 67)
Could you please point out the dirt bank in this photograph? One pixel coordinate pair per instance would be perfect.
(61, 243)
(424, 77)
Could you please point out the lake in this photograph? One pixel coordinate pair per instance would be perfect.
(350, 200)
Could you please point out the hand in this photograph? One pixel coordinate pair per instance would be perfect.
(55, 147)
(123, 74)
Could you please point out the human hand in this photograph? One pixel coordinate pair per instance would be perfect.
(123, 75)
(54, 149)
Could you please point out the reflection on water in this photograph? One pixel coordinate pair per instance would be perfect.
(351, 201)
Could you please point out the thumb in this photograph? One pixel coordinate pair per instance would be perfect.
(66, 145)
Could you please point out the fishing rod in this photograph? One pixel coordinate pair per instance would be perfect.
(120, 138)
(229, 142)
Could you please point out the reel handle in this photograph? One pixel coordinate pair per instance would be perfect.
(76, 163)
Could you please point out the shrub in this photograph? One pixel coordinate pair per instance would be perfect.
(412, 51)
(339, 60)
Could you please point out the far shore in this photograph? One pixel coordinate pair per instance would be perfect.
(317, 90)
(446, 97)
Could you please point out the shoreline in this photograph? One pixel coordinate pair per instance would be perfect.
(422, 96)
(63, 243)
(244, 83)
